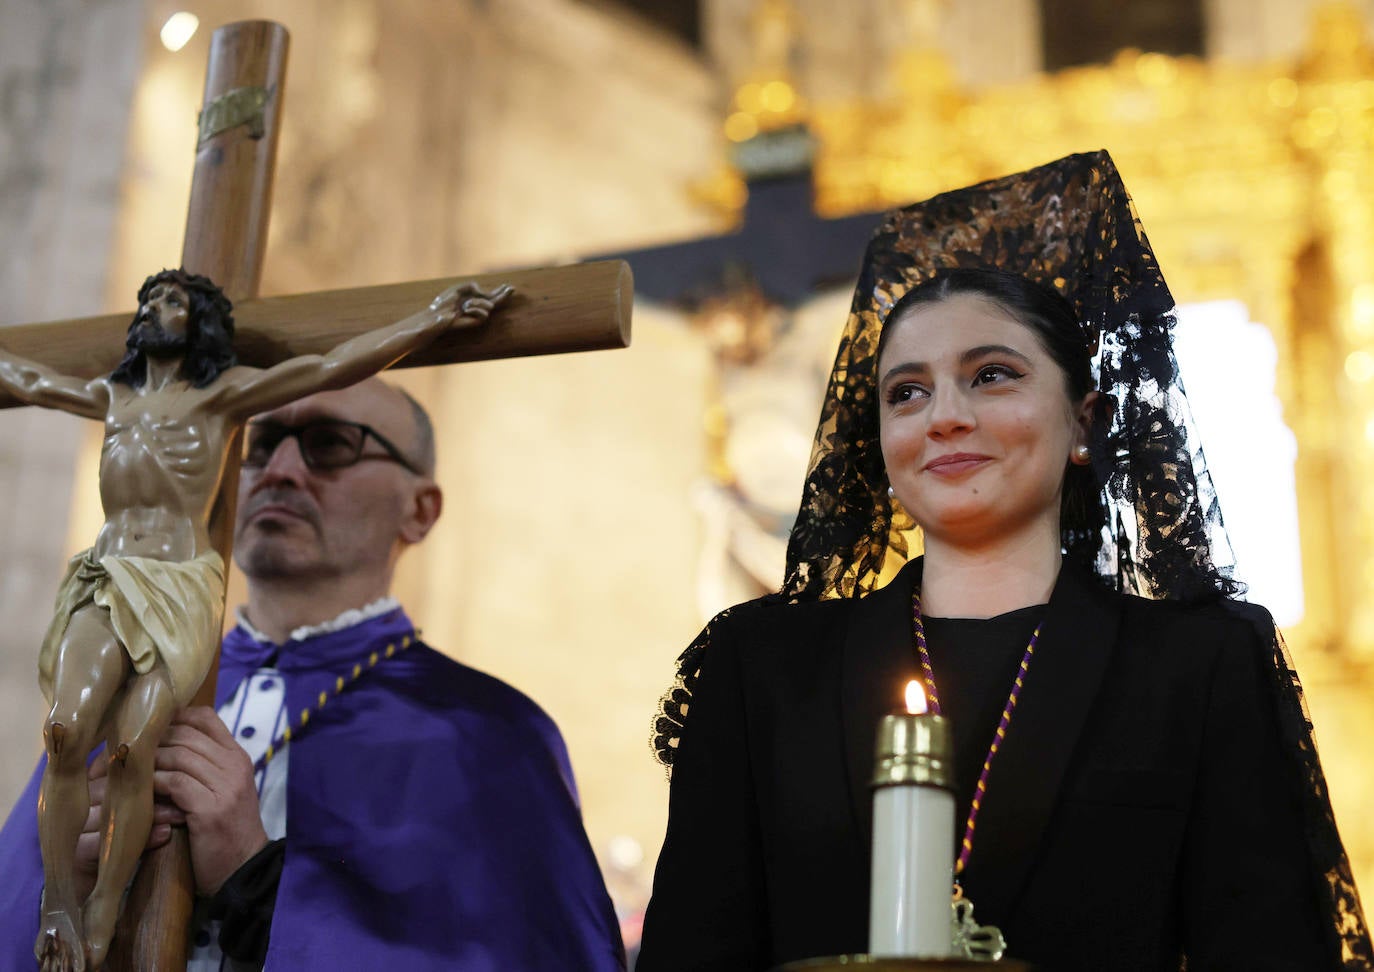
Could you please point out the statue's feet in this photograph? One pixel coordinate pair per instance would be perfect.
(59, 947)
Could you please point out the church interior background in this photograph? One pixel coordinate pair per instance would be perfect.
(600, 507)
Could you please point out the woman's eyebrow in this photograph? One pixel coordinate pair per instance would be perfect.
(906, 367)
(972, 354)
(983, 350)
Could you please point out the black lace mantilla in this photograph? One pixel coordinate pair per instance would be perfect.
(1070, 225)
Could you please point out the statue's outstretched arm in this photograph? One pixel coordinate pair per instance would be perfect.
(37, 384)
(462, 305)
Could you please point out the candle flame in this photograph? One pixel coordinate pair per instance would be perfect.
(915, 698)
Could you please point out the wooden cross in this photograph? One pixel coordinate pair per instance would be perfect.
(574, 308)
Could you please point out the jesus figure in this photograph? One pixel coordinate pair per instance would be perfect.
(138, 614)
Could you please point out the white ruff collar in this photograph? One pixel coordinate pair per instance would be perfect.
(351, 617)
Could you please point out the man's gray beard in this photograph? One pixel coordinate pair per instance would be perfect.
(272, 562)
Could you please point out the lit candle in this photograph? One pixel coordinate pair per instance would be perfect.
(913, 835)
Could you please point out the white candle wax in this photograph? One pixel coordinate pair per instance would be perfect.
(909, 912)
(913, 872)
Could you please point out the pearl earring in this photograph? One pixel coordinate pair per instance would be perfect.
(891, 493)
(1082, 454)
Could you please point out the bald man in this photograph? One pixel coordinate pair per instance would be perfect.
(362, 799)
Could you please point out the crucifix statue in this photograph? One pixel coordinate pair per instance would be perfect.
(136, 631)
(139, 613)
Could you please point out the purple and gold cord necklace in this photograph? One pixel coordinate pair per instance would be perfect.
(340, 683)
(966, 845)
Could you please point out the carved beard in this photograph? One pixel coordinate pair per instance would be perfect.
(153, 340)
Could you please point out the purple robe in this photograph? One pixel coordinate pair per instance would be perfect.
(432, 821)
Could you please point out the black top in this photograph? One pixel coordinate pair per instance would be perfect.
(1139, 810)
(975, 662)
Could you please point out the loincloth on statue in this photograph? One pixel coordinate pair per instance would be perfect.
(166, 611)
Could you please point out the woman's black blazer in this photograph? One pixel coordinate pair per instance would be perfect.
(1139, 810)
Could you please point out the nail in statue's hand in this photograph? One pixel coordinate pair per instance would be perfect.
(467, 305)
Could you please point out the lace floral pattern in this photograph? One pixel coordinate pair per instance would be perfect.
(1069, 225)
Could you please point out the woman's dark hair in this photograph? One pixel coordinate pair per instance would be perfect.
(1082, 511)
(209, 332)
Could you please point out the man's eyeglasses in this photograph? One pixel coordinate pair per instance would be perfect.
(324, 444)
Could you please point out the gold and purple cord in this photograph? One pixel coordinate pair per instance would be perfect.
(966, 845)
(340, 684)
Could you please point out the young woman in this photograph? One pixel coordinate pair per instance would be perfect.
(1154, 799)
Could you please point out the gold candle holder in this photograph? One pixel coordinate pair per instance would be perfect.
(913, 748)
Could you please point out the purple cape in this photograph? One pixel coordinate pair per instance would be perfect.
(432, 821)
